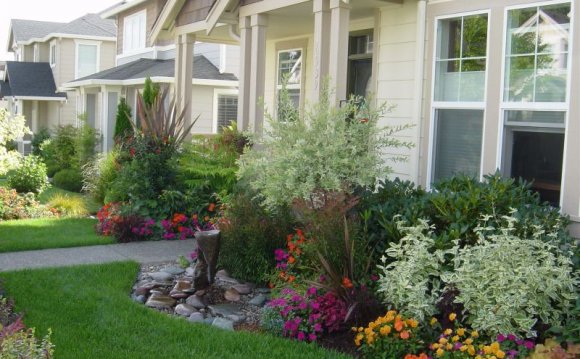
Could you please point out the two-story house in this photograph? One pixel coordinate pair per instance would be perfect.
(212, 83)
(47, 55)
(488, 85)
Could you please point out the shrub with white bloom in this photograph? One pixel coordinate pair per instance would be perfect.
(11, 128)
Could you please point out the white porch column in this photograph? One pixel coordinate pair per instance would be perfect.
(184, 74)
(245, 74)
(338, 64)
(34, 119)
(321, 9)
(257, 71)
(104, 123)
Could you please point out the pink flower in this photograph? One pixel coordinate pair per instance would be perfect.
(500, 338)
(311, 291)
(301, 336)
(511, 337)
(529, 344)
(312, 337)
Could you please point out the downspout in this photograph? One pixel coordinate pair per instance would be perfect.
(418, 85)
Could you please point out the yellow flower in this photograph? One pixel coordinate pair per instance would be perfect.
(360, 329)
(455, 338)
(442, 340)
(435, 345)
(487, 349)
(358, 339)
(452, 316)
(448, 346)
(368, 331)
(494, 347)
(412, 323)
(468, 341)
(464, 348)
(500, 354)
(433, 321)
(440, 352)
(471, 350)
(475, 334)
(385, 330)
(448, 332)
(461, 332)
(478, 357)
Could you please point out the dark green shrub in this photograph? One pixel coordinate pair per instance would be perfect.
(150, 92)
(29, 176)
(250, 235)
(123, 127)
(60, 150)
(455, 206)
(38, 139)
(87, 139)
(69, 179)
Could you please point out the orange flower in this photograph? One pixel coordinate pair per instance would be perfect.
(291, 260)
(291, 247)
(282, 275)
(299, 233)
(270, 285)
(289, 238)
(346, 283)
(399, 325)
(291, 279)
(405, 334)
(211, 207)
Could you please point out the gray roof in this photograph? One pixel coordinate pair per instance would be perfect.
(5, 90)
(31, 79)
(87, 25)
(142, 68)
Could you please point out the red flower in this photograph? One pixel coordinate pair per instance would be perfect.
(347, 283)
(211, 207)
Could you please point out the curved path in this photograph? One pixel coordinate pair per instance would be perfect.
(142, 252)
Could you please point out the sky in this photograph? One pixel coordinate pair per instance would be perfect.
(45, 10)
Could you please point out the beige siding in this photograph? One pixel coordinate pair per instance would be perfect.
(66, 51)
(202, 105)
(43, 51)
(395, 43)
(193, 11)
(153, 8)
(27, 53)
(107, 55)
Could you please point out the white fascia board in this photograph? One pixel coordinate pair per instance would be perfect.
(122, 7)
(67, 36)
(38, 98)
(157, 79)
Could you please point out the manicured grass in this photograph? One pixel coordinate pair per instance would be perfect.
(92, 316)
(47, 194)
(29, 234)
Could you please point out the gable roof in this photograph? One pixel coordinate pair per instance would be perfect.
(31, 79)
(140, 69)
(5, 90)
(91, 25)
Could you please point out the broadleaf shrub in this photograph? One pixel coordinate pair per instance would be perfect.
(11, 128)
(14, 205)
(29, 176)
(69, 179)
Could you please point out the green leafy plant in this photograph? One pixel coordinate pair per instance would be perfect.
(29, 176)
(23, 344)
(11, 128)
(123, 128)
(14, 205)
(507, 283)
(38, 139)
(411, 271)
(150, 92)
(69, 179)
(99, 175)
(328, 149)
(59, 151)
(86, 141)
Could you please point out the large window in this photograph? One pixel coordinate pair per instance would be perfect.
(290, 71)
(459, 95)
(535, 95)
(87, 59)
(134, 31)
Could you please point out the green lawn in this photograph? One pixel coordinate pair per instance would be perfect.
(92, 316)
(29, 234)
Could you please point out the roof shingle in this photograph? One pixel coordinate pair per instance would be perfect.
(31, 79)
(87, 25)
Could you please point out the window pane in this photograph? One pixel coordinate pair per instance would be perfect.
(475, 36)
(541, 33)
(461, 59)
(290, 67)
(87, 60)
(227, 110)
(539, 117)
(458, 143)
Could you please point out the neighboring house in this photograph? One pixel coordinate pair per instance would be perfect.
(488, 85)
(48, 54)
(212, 86)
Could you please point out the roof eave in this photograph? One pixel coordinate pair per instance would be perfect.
(112, 13)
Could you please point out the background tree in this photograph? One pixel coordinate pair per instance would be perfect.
(123, 126)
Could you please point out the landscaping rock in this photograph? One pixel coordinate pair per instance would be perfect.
(243, 288)
(161, 276)
(162, 283)
(189, 271)
(196, 318)
(139, 298)
(177, 294)
(160, 301)
(173, 270)
(263, 290)
(209, 320)
(258, 300)
(225, 309)
(185, 310)
(196, 302)
(237, 319)
(232, 295)
(184, 286)
(222, 273)
(223, 323)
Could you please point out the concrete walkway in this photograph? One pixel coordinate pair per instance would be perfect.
(142, 252)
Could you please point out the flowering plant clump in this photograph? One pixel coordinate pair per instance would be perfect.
(389, 336)
(181, 226)
(125, 228)
(288, 266)
(460, 342)
(307, 316)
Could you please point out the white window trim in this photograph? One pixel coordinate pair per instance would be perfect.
(138, 50)
(216, 94)
(536, 106)
(442, 105)
(35, 53)
(52, 53)
(85, 42)
(290, 86)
